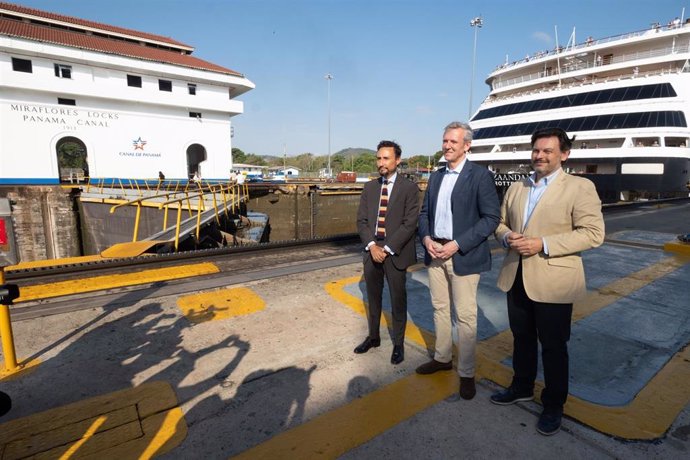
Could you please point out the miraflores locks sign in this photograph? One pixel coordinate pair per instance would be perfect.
(69, 117)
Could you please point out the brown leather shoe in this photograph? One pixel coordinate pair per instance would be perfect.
(434, 366)
(467, 388)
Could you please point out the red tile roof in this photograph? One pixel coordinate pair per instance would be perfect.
(83, 22)
(76, 39)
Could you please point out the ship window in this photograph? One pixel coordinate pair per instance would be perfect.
(134, 80)
(21, 65)
(195, 115)
(633, 120)
(587, 123)
(575, 124)
(591, 169)
(617, 95)
(191, 88)
(63, 71)
(165, 85)
(633, 93)
(64, 101)
(644, 120)
(617, 121)
(646, 91)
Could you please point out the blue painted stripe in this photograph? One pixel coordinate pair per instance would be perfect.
(28, 181)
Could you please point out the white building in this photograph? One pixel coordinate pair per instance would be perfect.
(116, 102)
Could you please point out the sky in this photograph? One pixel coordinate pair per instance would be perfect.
(402, 69)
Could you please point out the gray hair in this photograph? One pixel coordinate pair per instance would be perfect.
(460, 125)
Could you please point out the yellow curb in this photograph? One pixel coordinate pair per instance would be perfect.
(97, 283)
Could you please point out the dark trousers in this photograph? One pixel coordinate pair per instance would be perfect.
(374, 274)
(550, 324)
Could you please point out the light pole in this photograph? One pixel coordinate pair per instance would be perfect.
(477, 23)
(329, 77)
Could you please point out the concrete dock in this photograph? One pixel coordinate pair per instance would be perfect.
(266, 369)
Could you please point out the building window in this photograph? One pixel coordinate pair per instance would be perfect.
(63, 71)
(191, 87)
(134, 80)
(165, 85)
(194, 114)
(21, 65)
(64, 101)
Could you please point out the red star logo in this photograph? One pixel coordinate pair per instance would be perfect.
(139, 144)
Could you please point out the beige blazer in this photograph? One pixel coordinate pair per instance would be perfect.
(568, 216)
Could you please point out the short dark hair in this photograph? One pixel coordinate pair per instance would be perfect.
(396, 147)
(565, 142)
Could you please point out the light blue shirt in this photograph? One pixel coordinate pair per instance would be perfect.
(443, 220)
(536, 191)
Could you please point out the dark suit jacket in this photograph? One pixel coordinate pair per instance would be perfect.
(401, 218)
(476, 212)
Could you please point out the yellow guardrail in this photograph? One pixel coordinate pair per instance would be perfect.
(180, 198)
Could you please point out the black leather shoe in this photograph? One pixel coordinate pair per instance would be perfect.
(398, 355)
(434, 366)
(5, 403)
(549, 422)
(510, 396)
(467, 390)
(367, 345)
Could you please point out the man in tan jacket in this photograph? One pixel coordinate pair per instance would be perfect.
(546, 221)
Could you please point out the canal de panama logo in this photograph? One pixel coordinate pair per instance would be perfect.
(139, 144)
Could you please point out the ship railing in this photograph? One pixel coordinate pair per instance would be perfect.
(144, 187)
(205, 196)
(588, 81)
(590, 42)
(578, 65)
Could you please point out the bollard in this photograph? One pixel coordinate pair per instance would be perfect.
(6, 331)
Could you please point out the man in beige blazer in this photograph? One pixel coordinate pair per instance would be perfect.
(546, 221)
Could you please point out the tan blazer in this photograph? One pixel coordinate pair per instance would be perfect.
(568, 216)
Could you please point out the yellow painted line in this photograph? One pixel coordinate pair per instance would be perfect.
(336, 290)
(336, 432)
(97, 283)
(139, 422)
(650, 413)
(678, 247)
(220, 304)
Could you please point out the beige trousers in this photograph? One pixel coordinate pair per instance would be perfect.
(448, 289)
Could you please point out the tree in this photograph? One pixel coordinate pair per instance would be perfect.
(238, 156)
(254, 159)
(338, 163)
(365, 163)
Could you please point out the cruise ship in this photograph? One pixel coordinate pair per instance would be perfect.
(626, 98)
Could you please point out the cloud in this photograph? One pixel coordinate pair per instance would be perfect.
(543, 37)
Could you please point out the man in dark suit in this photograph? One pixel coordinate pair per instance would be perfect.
(386, 223)
(547, 220)
(459, 212)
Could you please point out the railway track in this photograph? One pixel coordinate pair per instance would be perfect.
(271, 253)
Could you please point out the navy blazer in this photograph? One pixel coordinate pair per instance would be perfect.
(476, 213)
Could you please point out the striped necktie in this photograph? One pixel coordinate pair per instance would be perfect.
(383, 206)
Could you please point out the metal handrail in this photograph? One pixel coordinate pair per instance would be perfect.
(178, 202)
